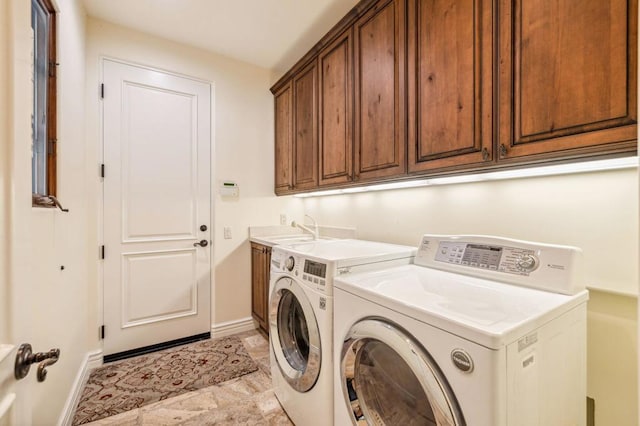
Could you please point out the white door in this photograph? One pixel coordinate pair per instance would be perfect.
(157, 180)
(8, 389)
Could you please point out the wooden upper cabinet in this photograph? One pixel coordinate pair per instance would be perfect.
(379, 44)
(283, 139)
(305, 128)
(336, 111)
(405, 88)
(449, 83)
(568, 77)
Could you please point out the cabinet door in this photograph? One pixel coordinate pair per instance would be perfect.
(336, 111)
(305, 128)
(259, 285)
(449, 83)
(568, 77)
(267, 280)
(283, 139)
(379, 44)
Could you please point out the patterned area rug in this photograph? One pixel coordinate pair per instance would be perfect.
(124, 385)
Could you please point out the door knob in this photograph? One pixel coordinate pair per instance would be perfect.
(201, 243)
(25, 357)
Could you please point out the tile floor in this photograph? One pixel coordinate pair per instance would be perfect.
(246, 400)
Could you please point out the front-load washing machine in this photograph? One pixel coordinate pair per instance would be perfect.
(478, 331)
(301, 318)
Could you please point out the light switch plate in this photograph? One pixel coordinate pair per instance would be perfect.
(227, 232)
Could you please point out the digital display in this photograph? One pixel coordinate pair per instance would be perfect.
(315, 268)
(481, 256)
(476, 254)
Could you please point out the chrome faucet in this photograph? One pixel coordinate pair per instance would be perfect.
(313, 231)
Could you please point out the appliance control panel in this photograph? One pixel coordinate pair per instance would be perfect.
(512, 260)
(312, 272)
(544, 266)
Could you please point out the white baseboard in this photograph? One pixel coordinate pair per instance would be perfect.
(91, 361)
(94, 360)
(232, 327)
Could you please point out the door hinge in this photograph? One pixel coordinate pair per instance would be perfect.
(101, 170)
(51, 147)
(102, 331)
(102, 252)
(101, 90)
(52, 68)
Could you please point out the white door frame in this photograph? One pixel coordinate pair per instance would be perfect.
(100, 192)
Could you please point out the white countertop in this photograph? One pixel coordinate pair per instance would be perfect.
(274, 235)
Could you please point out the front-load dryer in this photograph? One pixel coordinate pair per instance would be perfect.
(478, 331)
(301, 318)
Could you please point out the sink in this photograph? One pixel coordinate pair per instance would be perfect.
(300, 239)
(290, 239)
(295, 239)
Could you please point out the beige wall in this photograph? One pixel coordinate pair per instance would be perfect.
(243, 151)
(595, 211)
(48, 306)
(612, 358)
(4, 170)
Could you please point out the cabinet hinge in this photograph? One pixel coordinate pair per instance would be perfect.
(102, 252)
(102, 331)
(101, 90)
(102, 170)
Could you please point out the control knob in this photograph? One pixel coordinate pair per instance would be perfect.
(527, 263)
(290, 263)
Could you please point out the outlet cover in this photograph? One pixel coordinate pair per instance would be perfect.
(283, 219)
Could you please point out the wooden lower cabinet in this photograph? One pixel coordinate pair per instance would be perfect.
(260, 270)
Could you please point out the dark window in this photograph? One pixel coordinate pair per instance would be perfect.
(43, 120)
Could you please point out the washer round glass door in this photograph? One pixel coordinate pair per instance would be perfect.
(295, 336)
(389, 379)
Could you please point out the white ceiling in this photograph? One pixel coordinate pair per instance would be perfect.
(272, 34)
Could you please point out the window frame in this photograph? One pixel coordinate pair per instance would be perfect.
(45, 200)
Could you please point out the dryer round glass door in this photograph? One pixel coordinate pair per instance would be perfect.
(295, 335)
(389, 379)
